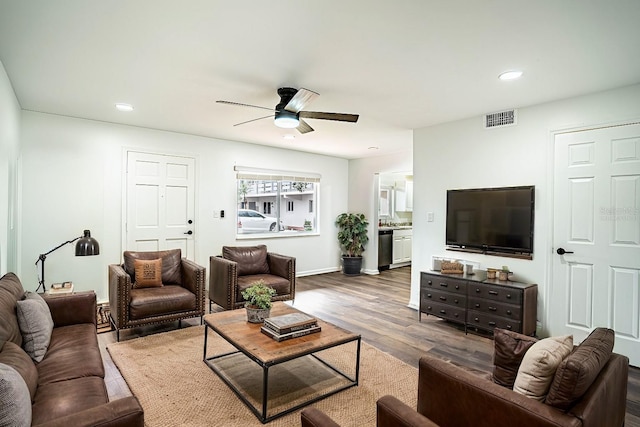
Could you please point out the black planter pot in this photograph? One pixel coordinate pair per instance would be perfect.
(351, 265)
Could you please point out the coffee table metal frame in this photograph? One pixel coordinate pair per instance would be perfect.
(261, 413)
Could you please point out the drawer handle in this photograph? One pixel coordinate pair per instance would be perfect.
(429, 282)
(493, 309)
(429, 307)
(492, 323)
(476, 319)
(509, 296)
(509, 327)
(428, 295)
(508, 311)
(444, 285)
(443, 311)
(456, 315)
(443, 298)
(477, 290)
(494, 293)
(477, 305)
(456, 301)
(457, 287)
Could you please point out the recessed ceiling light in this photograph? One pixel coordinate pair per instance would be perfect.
(510, 75)
(374, 148)
(124, 107)
(289, 136)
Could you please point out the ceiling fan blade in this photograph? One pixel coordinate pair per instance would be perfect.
(341, 117)
(253, 120)
(303, 127)
(301, 99)
(243, 105)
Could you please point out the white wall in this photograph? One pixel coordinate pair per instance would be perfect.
(464, 155)
(9, 153)
(363, 194)
(72, 180)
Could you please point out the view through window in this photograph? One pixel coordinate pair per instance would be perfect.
(276, 203)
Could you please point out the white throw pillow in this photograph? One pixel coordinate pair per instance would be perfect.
(36, 325)
(539, 366)
(15, 400)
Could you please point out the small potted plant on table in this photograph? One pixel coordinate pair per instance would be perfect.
(258, 297)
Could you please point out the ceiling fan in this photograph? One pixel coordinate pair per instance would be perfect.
(289, 112)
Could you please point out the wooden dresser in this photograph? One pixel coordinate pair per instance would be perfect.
(477, 302)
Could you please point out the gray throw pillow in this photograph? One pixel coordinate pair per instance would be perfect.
(15, 401)
(36, 325)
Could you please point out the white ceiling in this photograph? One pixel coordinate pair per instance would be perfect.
(401, 65)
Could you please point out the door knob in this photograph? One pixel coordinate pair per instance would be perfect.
(189, 232)
(561, 251)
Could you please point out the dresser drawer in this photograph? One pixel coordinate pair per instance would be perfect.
(507, 294)
(449, 312)
(489, 322)
(436, 295)
(495, 308)
(444, 284)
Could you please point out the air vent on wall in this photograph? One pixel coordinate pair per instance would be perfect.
(500, 119)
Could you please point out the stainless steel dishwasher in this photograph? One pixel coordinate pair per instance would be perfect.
(385, 249)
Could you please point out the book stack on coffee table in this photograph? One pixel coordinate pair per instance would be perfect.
(289, 326)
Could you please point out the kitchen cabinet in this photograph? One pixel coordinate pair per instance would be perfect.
(404, 196)
(402, 241)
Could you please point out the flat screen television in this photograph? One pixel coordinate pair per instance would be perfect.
(491, 219)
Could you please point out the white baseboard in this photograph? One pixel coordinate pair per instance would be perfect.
(318, 271)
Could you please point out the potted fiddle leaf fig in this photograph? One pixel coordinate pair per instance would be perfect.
(352, 237)
(258, 297)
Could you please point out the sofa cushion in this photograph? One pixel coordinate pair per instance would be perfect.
(15, 402)
(250, 259)
(171, 264)
(14, 356)
(281, 285)
(539, 366)
(11, 290)
(148, 273)
(509, 349)
(63, 398)
(579, 370)
(73, 353)
(35, 323)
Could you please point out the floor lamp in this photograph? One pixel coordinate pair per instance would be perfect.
(86, 246)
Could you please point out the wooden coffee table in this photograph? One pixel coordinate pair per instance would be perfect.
(267, 353)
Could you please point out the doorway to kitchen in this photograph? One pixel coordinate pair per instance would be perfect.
(394, 219)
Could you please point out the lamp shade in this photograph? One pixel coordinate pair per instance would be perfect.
(87, 245)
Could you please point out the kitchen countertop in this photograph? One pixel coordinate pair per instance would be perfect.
(395, 227)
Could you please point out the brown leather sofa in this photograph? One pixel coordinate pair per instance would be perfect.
(239, 266)
(390, 412)
(67, 386)
(589, 389)
(179, 292)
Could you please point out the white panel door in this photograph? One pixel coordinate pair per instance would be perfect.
(160, 203)
(596, 283)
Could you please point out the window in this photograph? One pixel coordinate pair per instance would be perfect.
(277, 193)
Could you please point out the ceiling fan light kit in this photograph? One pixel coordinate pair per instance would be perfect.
(286, 119)
(288, 113)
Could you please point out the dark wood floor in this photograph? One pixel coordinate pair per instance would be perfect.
(376, 308)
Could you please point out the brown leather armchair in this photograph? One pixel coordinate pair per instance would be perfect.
(155, 287)
(239, 266)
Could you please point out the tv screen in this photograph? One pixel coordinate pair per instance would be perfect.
(491, 219)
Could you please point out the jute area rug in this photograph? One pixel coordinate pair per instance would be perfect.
(175, 388)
